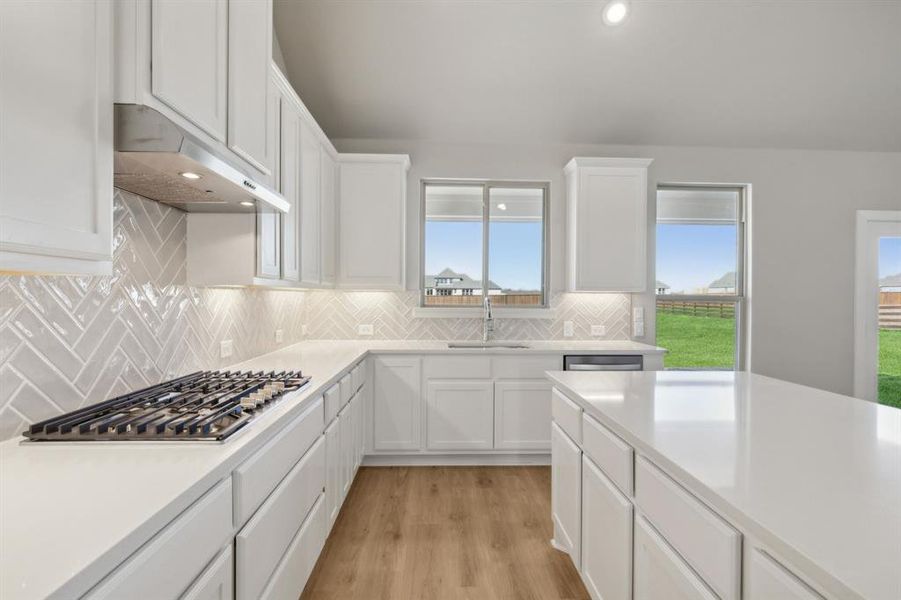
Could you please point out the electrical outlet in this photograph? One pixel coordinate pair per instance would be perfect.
(365, 329)
(226, 348)
(279, 336)
(638, 329)
(598, 330)
(568, 328)
(638, 314)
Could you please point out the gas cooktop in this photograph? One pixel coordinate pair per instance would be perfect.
(206, 405)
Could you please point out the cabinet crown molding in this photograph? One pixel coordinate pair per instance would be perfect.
(588, 161)
(402, 159)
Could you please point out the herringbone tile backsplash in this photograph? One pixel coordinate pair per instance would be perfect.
(68, 341)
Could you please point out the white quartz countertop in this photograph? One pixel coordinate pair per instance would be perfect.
(815, 476)
(70, 512)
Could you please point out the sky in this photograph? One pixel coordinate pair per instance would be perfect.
(514, 251)
(693, 256)
(889, 256)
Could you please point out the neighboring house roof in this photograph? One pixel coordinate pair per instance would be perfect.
(661, 285)
(890, 281)
(726, 281)
(462, 281)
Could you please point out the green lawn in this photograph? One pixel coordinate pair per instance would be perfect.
(708, 342)
(696, 342)
(890, 367)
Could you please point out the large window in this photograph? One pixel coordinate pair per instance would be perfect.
(483, 238)
(701, 276)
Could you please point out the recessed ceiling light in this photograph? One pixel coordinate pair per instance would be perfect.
(502, 206)
(616, 12)
(246, 203)
(190, 175)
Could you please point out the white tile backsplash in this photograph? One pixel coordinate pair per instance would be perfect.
(68, 341)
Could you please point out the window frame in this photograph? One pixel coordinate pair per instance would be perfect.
(487, 185)
(742, 254)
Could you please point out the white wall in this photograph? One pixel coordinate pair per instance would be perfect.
(802, 219)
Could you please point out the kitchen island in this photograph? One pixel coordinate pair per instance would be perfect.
(739, 485)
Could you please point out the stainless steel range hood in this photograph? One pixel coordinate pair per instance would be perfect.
(157, 159)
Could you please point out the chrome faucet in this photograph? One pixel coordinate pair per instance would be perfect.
(487, 320)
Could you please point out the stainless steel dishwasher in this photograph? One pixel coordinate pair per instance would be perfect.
(603, 362)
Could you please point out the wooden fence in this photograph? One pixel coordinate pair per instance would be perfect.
(720, 310)
(496, 300)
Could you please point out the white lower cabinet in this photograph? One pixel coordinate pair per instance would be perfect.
(292, 573)
(217, 582)
(460, 415)
(346, 434)
(660, 573)
(606, 536)
(395, 403)
(566, 493)
(769, 580)
(180, 551)
(261, 544)
(333, 472)
(522, 415)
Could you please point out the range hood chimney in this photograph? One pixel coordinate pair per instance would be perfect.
(159, 160)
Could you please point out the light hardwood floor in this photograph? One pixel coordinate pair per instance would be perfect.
(436, 533)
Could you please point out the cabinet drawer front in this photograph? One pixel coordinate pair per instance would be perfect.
(292, 573)
(263, 541)
(660, 572)
(332, 398)
(609, 452)
(567, 414)
(525, 367)
(457, 367)
(217, 582)
(769, 579)
(346, 389)
(259, 474)
(358, 376)
(180, 551)
(709, 544)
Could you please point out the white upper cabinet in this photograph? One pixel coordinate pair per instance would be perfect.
(328, 209)
(310, 238)
(249, 56)
(189, 54)
(56, 118)
(606, 206)
(290, 177)
(371, 220)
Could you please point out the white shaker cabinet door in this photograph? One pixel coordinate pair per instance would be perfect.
(660, 573)
(566, 494)
(269, 251)
(189, 49)
(332, 472)
(289, 173)
(768, 580)
(522, 415)
(460, 414)
(396, 403)
(606, 536)
(249, 106)
(311, 166)
(606, 204)
(217, 582)
(56, 147)
(328, 209)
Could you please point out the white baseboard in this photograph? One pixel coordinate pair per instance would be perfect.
(444, 460)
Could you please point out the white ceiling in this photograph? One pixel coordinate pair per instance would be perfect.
(741, 73)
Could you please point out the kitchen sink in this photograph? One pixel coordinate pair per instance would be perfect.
(486, 345)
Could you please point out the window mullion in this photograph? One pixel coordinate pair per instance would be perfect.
(486, 215)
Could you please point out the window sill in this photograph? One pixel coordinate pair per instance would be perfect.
(476, 312)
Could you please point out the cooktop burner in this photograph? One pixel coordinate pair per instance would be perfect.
(206, 405)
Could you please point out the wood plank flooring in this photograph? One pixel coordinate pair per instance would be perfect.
(436, 533)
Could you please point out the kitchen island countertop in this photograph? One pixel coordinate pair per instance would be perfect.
(812, 474)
